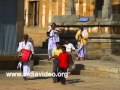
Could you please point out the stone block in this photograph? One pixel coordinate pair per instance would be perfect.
(115, 17)
(89, 68)
(88, 72)
(94, 45)
(114, 70)
(115, 76)
(103, 68)
(105, 45)
(103, 74)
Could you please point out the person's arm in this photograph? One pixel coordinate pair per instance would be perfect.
(32, 48)
(58, 30)
(72, 47)
(48, 32)
(19, 52)
(19, 47)
(77, 36)
(53, 54)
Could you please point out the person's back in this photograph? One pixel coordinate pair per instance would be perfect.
(63, 64)
(63, 60)
(69, 47)
(79, 38)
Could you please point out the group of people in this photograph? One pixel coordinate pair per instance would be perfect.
(61, 55)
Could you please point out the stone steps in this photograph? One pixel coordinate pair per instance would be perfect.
(88, 67)
(39, 50)
(41, 56)
(105, 69)
(40, 38)
(98, 68)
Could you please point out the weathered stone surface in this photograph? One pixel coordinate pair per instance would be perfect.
(107, 58)
(114, 70)
(107, 9)
(61, 20)
(94, 45)
(103, 68)
(115, 17)
(71, 8)
(115, 76)
(89, 68)
(105, 45)
(103, 74)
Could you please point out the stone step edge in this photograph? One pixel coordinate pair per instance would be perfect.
(99, 74)
(84, 66)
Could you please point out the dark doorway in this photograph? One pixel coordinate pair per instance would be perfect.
(33, 13)
(98, 8)
(115, 9)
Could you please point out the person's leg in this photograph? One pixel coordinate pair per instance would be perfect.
(49, 54)
(58, 77)
(26, 70)
(85, 52)
(50, 49)
(70, 63)
(73, 55)
(63, 79)
(54, 70)
(81, 52)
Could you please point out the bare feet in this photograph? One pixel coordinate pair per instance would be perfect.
(25, 78)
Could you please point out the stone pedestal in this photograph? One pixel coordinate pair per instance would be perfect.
(106, 9)
(103, 45)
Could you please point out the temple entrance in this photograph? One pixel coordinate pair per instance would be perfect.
(33, 13)
(98, 8)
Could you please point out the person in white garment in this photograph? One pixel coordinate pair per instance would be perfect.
(53, 38)
(25, 44)
(70, 49)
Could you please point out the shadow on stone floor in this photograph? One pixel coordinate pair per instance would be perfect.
(71, 81)
(35, 78)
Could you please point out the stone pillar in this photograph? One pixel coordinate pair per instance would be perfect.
(20, 20)
(106, 9)
(71, 8)
(26, 12)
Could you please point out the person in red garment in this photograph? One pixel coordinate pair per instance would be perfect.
(63, 64)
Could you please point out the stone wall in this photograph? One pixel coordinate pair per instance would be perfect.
(105, 42)
(102, 41)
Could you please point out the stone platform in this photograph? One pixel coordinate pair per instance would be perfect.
(108, 69)
(99, 68)
(96, 68)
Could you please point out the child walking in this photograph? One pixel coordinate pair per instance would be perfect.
(63, 64)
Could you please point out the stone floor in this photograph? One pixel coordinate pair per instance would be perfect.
(76, 82)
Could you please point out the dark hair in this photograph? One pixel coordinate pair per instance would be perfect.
(25, 35)
(66, 39)
(63, 47)
(81, 27)
(53, 24)
(58, 43)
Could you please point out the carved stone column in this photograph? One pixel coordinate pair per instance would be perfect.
(106, 9)
(71, 8)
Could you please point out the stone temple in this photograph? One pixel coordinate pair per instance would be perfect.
(103, 24)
